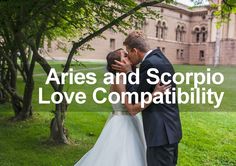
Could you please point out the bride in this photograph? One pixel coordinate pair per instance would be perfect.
(121, 142)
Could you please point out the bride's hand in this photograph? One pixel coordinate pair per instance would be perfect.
(161, 88)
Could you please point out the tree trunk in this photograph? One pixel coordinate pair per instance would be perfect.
(3, 96)
(16, 103)
(218, 41)
(26, 111)
(16, 100)
(58, 133)
(9, 85)
(217, 48)
(3, 93)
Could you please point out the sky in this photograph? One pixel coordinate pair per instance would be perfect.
(189, 3)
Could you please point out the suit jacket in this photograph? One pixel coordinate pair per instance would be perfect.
(161, 122)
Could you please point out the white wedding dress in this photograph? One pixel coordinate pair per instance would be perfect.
(121, 142)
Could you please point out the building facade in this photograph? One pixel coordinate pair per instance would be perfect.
(185, 36)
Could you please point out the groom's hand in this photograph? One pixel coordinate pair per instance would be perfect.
(124, 66)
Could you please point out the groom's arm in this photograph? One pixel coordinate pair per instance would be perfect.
(143, 85)
(133, 109)
(131, 87)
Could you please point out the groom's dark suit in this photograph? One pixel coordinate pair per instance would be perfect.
(161, 122)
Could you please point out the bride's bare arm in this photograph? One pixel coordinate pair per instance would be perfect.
(133, 109)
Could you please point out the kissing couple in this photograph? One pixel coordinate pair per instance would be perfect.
(127, 139)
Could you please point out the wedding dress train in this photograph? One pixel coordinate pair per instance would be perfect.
(121, 142)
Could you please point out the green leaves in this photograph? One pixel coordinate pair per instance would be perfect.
(69, 18)
(232, 5)
(234, 10)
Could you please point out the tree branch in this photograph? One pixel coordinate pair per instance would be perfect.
(116, 21)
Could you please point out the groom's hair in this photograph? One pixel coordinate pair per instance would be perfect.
(111, 57)
(136, 40)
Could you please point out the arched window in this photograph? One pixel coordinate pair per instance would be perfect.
(204, 34)
(200, 34)
(158, 28)
(177, 33)
(197, 33)
(157, 32)
(180, 33)
(161, 30)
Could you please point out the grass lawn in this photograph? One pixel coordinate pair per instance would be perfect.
(209, 136)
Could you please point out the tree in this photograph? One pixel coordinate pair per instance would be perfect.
(26, 24)
(106, 15)
(222, 10)
(13, 48)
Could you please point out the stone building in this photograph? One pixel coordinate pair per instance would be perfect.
(186, 36)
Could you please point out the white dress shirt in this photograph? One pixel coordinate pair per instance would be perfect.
(147, 53)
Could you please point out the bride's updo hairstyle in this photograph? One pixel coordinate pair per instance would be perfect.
(111, 57)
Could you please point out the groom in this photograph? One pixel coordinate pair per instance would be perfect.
(162, 126)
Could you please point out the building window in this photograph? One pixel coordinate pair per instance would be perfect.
(177, 54)
(204, 34)
(180, 54)
(162, 33)
(202, 55)
(158, 28)
(200, 34)
(112, 44)
(161, 29)
(157, 32)
(198, 38)
(180, 33)
(181, 15)
(203, 37)
(197, 34)
(177, 33)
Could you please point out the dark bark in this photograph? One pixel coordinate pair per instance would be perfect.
(3, 96)
(27, 111)
(9, 85)
(9, 54)
(3, 93)
(58, 132)
(20, 69)
(22, 106)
